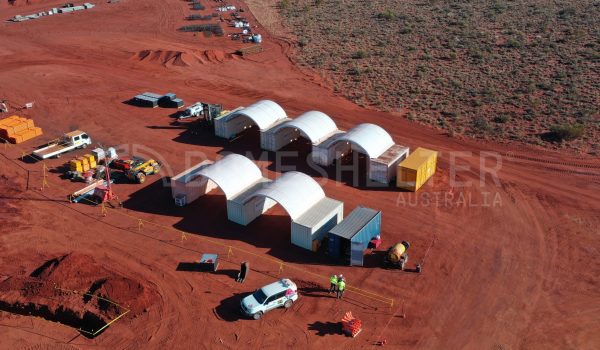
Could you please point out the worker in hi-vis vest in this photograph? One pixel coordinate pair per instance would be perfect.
(341, 286)
(333, 280)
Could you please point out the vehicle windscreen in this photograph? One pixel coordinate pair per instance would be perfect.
(260, 296)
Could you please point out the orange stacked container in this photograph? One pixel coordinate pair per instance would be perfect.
(15, 129)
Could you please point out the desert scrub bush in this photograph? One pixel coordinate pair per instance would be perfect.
(501, 119)
(303, 42)
(354, 71)
(284, 4)
(360, 54)
(566, 132)
(481, 124)
(513, 43)
(387, 15)
(566, 13)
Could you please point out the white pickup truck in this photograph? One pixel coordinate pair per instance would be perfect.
(69, 141)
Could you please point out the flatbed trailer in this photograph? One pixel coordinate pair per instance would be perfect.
(70, 141)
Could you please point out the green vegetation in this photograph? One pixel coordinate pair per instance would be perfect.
(567, 132)
(509, 69)
(360, 54)
(387, 15)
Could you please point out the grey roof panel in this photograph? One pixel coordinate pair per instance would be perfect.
(320, 210)
(354, 222)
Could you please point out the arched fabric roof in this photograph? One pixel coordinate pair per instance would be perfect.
(233, 173)
(371, 138)
(313, 125)
(295, 191)
(264, 113)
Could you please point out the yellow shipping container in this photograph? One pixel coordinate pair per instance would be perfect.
(75, 165)
(91, 159)
(416, 169)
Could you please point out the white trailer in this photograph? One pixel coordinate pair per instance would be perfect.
(68, 142)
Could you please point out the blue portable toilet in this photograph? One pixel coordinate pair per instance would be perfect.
(349, 239)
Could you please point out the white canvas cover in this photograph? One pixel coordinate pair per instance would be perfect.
(295, 191)
(233, 173)
(313, 125)
(264, 113)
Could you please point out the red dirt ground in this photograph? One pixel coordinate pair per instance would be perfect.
(515, 263)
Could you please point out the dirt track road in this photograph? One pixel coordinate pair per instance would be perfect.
(515, 264)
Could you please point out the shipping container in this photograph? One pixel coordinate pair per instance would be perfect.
(245, 207)
(273, 139)
(188, 185)
(383, 169)
(313, 225)
(416, 169)
(328, 151)
(349, 239)
(230, 127)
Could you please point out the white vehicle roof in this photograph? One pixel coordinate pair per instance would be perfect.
(278, 286)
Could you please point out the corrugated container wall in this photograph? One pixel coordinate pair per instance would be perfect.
(190, 185)
(416, 169)
(244, 213)
(384, 168)
(230, 125)
(273, 141)
(316, 222)
(367, 232)
(323, 155)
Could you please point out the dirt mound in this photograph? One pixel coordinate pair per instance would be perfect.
(164, 57)
(214, 56)
(169, 58)
(75, 290)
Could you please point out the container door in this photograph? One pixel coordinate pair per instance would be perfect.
(356, 254)
(334, 246)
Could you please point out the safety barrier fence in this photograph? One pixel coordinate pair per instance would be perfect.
(231, 249)
(92, 333)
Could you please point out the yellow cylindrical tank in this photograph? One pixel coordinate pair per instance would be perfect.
(397, 250)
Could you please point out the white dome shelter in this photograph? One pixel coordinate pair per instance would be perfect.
(313, 125)
(369, 139)
(366, 138)
(264, 114)
(233, 174)
(303, 199)
(295, 191)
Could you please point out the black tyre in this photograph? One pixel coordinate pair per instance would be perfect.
(140, 177)
(288, 304)
(257, 315)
